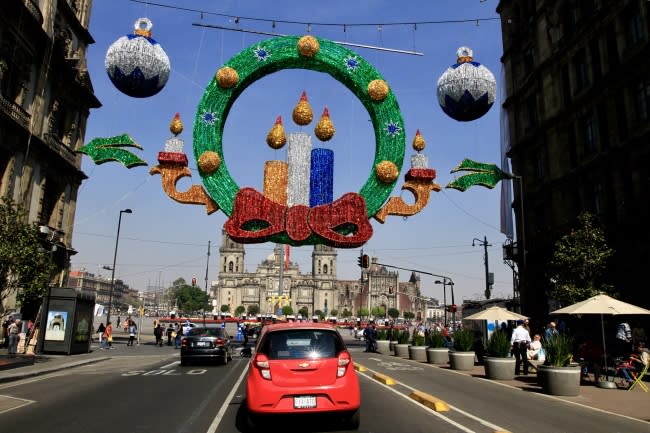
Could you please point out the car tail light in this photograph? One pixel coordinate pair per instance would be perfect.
(344, 361)
(261, 362)
(184, 342)
(218, 341)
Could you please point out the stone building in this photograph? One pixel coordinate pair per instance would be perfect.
(318, 290)
(45, 99)
(577, 80)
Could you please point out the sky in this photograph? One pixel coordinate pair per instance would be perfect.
(163, 240)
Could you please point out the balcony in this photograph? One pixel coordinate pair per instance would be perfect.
(14, 111)
(55, 144)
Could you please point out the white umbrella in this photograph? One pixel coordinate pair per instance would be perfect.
(495, 313)
(602, 304)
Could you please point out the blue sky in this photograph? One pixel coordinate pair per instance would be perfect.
(163, 240)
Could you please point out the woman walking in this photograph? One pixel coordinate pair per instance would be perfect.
(108, 336)
(132, 330)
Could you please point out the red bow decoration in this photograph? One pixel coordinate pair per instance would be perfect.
(255, 218)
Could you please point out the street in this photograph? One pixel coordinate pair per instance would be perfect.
(144, 389)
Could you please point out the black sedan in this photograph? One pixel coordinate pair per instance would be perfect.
(206, 343)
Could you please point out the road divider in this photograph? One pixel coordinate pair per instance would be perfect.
(429, 401)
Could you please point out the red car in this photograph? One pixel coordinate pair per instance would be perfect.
(302, 368)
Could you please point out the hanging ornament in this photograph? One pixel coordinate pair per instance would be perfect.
(276, 137)
(418, 142)
(176, 125)
(136, 64)
(302, 113)
(466, 90)
(325, 128)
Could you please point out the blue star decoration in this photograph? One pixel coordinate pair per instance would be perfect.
(393, 129)
(352, 63)
(209, 117)
(261, 54)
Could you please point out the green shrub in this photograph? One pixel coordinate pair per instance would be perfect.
(498, 344)
(436, 339)
(558, 349)
(463, 340)
(382, 334)
(418, 339)
(403, 337)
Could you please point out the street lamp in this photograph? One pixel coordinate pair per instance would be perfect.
(117, 239)
(446, 281)
(484, 243)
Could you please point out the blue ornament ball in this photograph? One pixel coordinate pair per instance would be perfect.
(467, 89)
(136, 64)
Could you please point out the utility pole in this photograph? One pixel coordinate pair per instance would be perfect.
(484, 244)
(207, 264)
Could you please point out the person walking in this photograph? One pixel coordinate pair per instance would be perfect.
(170, 333)
(520, 341)
(5, 334)
(100, 334)
(158, 333)
(108, 335)
(13, 331)
(132, 328)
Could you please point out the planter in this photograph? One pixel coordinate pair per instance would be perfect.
(499, 368)
(560, 380)
(383, 347)
(391, 346)
(402, 350)
(437, 355)
(461, 360)
(418, 353)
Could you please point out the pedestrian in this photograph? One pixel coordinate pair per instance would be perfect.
(158, 333)
(550, 331)
(14, 335)
(108, 335)
(520, 341)
(170, 333)
(178, 336)
(100, 334)
(5, 326)
(132, 328)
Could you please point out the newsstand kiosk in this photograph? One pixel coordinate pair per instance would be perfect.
(66, 321)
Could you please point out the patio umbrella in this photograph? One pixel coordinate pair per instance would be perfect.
(495, 313)
(602, 304)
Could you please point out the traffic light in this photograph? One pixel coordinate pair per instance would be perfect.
(452, 308)
(193, 281)
(365, 261)
(360, 261)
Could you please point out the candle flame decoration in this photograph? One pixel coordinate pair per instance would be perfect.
(302, 113)
(176, 125)
(325, 130)
(276, 137)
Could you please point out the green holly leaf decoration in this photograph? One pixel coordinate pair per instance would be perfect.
(487, 175)
(102, 150)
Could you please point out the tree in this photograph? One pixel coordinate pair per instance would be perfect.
(304, 311)
(579, 259)
(378, 311)
(26, 268)
(190, 299)
(393, 313)
(334, 313)
(346, 313)
(320, 314)
(409, 315)
(253, 310)
(225, 308)
(240, 310)
(287, 310)
(363, 312)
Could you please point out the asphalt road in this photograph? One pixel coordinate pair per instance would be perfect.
(144, 389)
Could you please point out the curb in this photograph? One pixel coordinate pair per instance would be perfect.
(19, 375)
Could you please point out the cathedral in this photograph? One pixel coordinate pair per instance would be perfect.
(278, 282)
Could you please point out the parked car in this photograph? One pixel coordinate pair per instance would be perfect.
(302, 368)
(206, 343)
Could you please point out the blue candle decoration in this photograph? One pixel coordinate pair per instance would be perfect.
(321, 177)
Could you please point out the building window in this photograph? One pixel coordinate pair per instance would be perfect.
(539, 167)
(325, 269)
(532, 113)
(598, 198)
(230, 266)
(589, 134)
(642, 94)
(633, 28)
(581, 70)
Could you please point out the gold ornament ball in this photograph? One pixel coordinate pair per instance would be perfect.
(419, 143)
(209, 162)
(386, 171)
(227, 77)
(378, 90)
(308, 46)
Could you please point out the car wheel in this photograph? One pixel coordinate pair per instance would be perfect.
(352, 420)
(184, 362)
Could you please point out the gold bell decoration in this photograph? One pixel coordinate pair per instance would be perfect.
(276, 137)
(418, 142)
(325, 128)
(176, 125)
(302, 113)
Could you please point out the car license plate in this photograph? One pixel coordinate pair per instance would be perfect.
(304, 402)
(202, 344)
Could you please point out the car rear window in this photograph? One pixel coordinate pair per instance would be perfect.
(301, 343)
(216, 332)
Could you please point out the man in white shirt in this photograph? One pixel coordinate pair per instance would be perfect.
(520, 341)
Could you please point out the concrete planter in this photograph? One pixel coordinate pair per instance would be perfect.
(461, 360)
(383, 347)
(391, 346)
(560, 380)
(499, 368)
(437, 355)
(418, 353)
(402, 350)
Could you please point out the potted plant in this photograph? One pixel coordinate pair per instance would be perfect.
(498, 362)
(437, 350)
(559, 375)
(402, 346)
(393, 338)
(382, 341)
(462, 356)
(417, 349)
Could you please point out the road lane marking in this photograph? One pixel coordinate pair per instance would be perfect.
(226, 403)
(173, 364)
(7, 403)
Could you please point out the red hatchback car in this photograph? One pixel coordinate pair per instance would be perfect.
(302, 368)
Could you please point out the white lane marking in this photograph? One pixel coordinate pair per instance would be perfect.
(173, 364)
(25, 402)
(219, 416)
(431, 411)
(467, 414)
(32, 380)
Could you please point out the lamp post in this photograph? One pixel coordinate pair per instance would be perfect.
(446, 281)
(117, 239)
(484, 243)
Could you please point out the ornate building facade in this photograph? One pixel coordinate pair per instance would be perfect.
(278, 282)
(45, 100)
